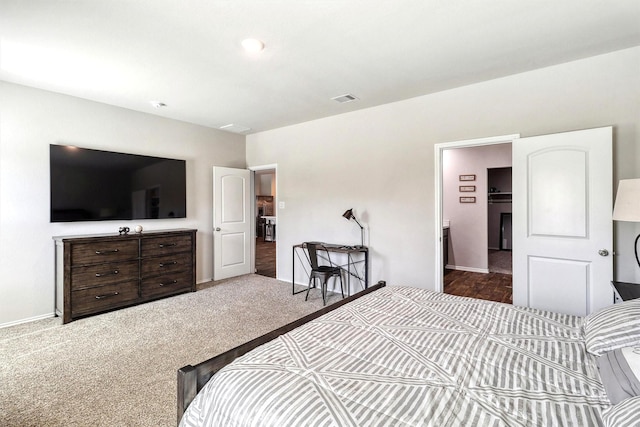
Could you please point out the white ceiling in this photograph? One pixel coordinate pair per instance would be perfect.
(187, 54)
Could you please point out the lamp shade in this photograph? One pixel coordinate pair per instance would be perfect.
(348, 214)
(627, 206)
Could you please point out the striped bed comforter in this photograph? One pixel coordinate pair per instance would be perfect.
(410, 357)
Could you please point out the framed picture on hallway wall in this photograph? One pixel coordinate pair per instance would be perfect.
(467, 177)
(467, 188)
(467, 199)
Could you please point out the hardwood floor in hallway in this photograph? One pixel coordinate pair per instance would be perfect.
(265, 258)
(487, 286)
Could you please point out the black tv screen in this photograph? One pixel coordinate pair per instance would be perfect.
(94, 185)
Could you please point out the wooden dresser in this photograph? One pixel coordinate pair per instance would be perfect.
(99, 273)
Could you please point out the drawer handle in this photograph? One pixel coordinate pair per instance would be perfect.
(107, 295)
(107, 252)
(162, 264)
(173, 282)
(165, 245)
(107, 274)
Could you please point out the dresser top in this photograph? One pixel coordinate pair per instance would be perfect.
(132, 234)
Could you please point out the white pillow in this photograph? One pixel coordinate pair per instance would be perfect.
(613, 327)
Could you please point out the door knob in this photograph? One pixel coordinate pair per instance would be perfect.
(218, 229)
(603, 252)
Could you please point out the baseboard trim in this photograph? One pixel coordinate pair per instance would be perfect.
(470, 269)
(27, 320)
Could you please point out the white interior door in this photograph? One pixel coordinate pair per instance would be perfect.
(562, 226)
(231, 222)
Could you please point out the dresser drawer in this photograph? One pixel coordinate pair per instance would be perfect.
(99, 252)
(165, 245)
(102, 274)
(102, 298)
(167, 284)
(166, 264)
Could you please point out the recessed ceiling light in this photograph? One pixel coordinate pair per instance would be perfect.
(235, 128)
(157, 104)
(252, 45)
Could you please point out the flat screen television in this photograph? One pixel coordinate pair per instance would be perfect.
(94, 185)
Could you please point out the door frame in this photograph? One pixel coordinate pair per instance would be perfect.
(438, 153)
(253, 169)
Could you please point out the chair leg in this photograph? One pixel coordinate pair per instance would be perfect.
(309, 287)
(323, 287)
(324, 291)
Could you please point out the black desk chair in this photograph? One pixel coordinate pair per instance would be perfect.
(322, 272)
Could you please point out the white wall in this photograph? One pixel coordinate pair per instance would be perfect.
(265, 184)
(30, 120)
(468, 236)
(380, 162)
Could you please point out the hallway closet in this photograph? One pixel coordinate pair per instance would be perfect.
(499, 215)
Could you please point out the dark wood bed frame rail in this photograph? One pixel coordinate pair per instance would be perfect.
(191, 379)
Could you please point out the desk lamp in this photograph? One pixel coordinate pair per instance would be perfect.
(348, 214)
(627, 206)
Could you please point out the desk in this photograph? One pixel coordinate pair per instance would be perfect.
(624, 291)
(350, 266)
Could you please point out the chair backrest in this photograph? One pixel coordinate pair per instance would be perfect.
(313, 248)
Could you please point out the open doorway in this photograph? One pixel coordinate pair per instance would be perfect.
(554, 236)
(476, 192)
(266, 221)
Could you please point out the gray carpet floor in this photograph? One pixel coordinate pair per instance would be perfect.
(119, 368)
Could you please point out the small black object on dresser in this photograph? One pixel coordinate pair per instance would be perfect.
(625, 291)
(104, 272)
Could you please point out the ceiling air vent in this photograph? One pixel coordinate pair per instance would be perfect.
(345, 98)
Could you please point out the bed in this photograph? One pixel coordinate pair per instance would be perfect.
(401, 356)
